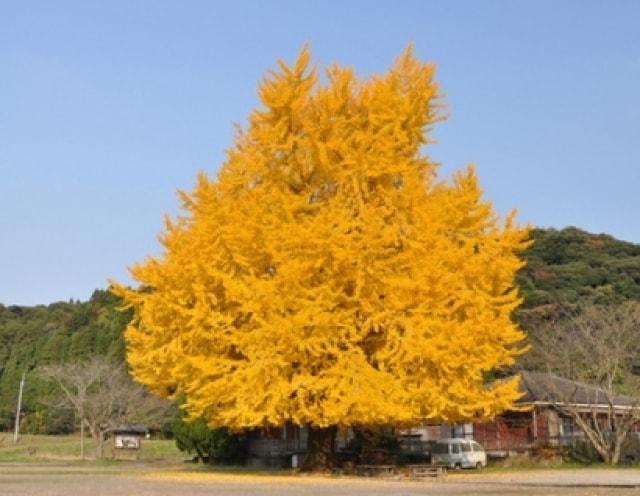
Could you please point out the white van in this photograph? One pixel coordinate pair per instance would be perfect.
(458, 453)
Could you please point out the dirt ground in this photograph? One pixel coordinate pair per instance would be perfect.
(51, 480)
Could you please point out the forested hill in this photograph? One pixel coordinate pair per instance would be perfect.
(39, 335)
(563, 266)
(574, 266)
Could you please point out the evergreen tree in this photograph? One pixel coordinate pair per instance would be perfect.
(208, 445)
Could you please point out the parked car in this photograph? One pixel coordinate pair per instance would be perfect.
(458, 453)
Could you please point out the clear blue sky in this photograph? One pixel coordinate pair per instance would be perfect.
(107, 107)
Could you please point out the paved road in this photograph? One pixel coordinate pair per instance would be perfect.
(56, 481)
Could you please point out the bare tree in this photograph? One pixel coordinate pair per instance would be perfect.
(103, 396)
(596, 348)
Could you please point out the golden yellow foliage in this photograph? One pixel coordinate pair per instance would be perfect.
(327, 276)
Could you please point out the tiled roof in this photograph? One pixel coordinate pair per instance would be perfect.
(131, 429)
(540, 386)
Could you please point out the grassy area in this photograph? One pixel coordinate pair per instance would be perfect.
(165, 456)
(32, 448)
(516, 463)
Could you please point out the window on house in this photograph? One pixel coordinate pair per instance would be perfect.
(566, 427)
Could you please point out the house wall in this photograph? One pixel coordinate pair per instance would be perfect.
(524, 431)
(511, 432)
(277, 441)
(427, 432)
(508, 432)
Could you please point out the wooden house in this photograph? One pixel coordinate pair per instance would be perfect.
(543, 421)
(537, 422)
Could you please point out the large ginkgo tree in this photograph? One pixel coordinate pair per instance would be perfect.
(327, 276)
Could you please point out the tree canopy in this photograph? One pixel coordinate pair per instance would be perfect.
(327, 276)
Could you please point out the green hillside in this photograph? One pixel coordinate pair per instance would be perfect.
(574, 266)
(565, 266)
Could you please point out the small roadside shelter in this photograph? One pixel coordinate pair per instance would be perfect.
(127, 441)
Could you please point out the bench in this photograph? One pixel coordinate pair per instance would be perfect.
(427, 470)
(371, 470)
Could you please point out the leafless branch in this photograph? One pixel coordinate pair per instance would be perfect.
(103, 396)
(598, 348)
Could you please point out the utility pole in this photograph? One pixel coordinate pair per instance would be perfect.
(82, 434)
(16, 434)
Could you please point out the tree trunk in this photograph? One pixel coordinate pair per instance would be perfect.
(615, 456)
(200, 456)
(617, 447)
(98, 437)
(594, 438)
(320, 456)
(100, 445)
